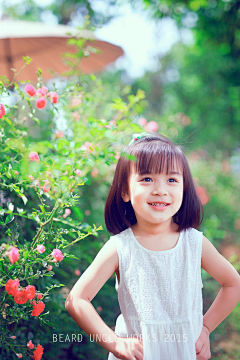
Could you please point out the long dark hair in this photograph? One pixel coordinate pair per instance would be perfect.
(154, 153)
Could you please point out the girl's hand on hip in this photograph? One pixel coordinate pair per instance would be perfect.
(202, 345)
(128, 349)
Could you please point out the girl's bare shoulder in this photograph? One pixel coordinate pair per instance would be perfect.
(217, 266)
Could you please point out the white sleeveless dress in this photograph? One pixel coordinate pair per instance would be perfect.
(160, 295)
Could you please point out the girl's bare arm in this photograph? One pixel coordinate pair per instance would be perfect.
(78, 302)
(229, 295)
(79, 306)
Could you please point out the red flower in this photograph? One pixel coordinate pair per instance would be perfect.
(20, 297)
(57, 254)
(41, 103)
(38, 308)
(2, 111)
(13, 255)
(39, 296)
(30, 344)
(37, 354)
(12, 286)
(30, 292)
(30, 90)
(54, 97)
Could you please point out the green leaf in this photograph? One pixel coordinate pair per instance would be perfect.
(9, 219)
(72, 256)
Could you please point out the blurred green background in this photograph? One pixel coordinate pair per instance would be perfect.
(194, 96)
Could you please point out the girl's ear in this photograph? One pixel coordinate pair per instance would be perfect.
(125, 195)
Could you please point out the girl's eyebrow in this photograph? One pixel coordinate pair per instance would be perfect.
(174, 173)
(169, 173)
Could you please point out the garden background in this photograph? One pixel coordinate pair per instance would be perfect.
(193, 96)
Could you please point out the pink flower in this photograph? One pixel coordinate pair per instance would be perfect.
(39, 296)
(34, 156)
(76, 116)
(40, 92)
(13, 255)
(94, 172)
(30, 291)
(31, 177)
(16, 172)
(151, 126)
(37, 354)
(12, 286)
(2, 111)
(66, 213)
(54, 97)
(59, 134)
(76, 102)
(78, 172)
(45, 89)
(19, 356)
(77, 272)
(41, 103)
(57, 255)
(13, 337)
(46, 187)
(142, 121)
(49, 267)
(41, 249)
(88, 146)
(38, 308)
(30, 89)
(202, 194)
(30, 344)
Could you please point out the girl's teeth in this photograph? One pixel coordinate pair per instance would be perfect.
(158, 204)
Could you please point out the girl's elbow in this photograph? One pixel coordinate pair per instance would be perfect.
(68, 303)
(73, 302)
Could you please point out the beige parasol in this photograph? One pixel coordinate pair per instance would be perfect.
(45, 44)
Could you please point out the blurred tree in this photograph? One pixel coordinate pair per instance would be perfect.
(60, 11)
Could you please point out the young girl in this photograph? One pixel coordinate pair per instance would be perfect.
(157, 253)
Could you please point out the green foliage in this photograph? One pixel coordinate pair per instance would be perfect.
(44, 172)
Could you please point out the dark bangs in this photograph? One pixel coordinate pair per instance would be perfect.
(156, 154)
(156, 157)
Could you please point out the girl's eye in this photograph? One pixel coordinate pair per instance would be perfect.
(147, 179)
(172, 180)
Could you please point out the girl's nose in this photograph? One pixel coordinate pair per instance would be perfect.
(159, 191)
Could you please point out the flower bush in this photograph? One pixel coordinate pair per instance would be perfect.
(43, 169)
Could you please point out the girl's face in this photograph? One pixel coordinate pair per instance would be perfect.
(155, 198)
